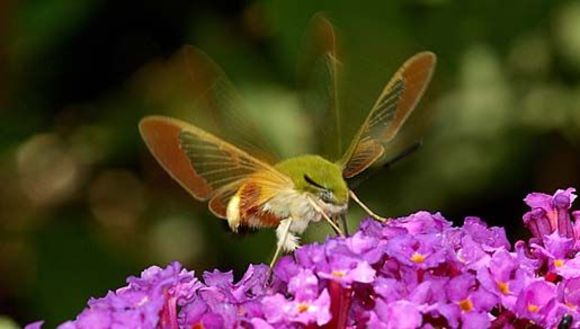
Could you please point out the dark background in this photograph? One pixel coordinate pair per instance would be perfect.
(83, 205)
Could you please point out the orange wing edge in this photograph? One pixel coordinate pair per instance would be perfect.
(161, 135)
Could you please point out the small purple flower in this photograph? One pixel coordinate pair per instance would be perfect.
(550, 213)
(469, 252)
(304, 286)
(344, 266)
(569, 293)
(490, 238)
(422, 251)
(307, 307)
(346, 273)
(555, 252)
(534, 301)
(469, 304)
(503, 277)
(525, 258)
(366, 247)
(570, 268)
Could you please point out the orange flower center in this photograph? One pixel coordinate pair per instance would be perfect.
(503, 287)
(533, 308)
(417, 258)
(466, 305)
(338, 274)
(302, 307)
(558, 262)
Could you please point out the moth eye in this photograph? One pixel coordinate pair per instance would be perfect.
(327, 196)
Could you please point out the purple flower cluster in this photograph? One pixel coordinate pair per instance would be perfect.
(412, 272)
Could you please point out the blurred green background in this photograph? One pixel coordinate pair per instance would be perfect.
(83, 205)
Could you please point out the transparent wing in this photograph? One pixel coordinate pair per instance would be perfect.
(217, 96)
(389, 113)
(319, 69)
(190, 85)
(206, 166)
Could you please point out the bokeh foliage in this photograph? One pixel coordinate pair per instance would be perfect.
(83, 204)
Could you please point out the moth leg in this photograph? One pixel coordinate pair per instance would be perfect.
(335, 227)
(365, 208)
(286, 240)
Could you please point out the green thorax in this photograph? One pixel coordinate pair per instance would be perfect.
(321, 171)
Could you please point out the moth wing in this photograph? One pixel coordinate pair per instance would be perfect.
(208, 167)
(190, 85)
(218, 204)
(319, 69)
(397, 101)
(217, 96)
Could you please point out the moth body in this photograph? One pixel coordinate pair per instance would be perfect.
(314, 180)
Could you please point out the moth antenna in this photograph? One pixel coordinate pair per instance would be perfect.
(365, 175)
(365, 208)
(405, 153)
